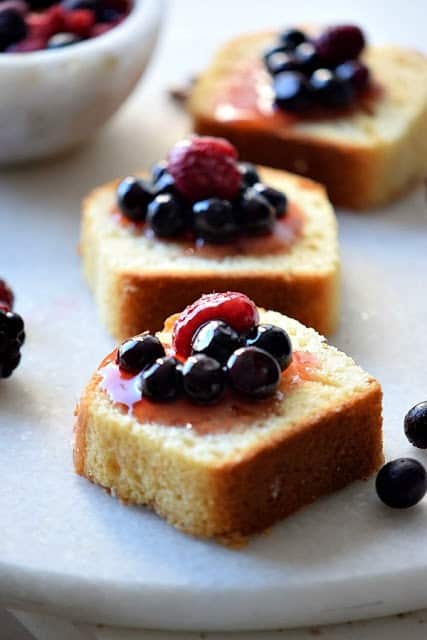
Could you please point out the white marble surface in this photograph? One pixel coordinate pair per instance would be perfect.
(67, 548)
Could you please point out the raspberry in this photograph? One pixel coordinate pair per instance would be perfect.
(6, 294)
(339, 44)
(44, 25)
(236, 309)
(12, 338)
(205, 167)
(79, 22)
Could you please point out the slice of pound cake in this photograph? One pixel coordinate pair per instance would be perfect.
(351, 116)
(204, 222)
(228, 420)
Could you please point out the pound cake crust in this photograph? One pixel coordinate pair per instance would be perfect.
(137, 281)
(230, 485)
(364, 158)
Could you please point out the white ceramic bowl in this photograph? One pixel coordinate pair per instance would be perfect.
(54, 100)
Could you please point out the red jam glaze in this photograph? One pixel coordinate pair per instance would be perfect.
(246, 96)
(287, 231)
(123, 390)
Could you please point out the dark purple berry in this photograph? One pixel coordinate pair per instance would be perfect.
(12, 337)
(354, 72)
(274, 340)
(12, 28)
(291, 38)
(139, 352)
(249, 173)
(338, 44)
(214, 220)
(97, 6)
(306, 58)
(256, 214)
(60, 40)
(401, 483)
(6, 294)
(203, 379)
(133, 198)
(291, 91)
(276, 198)
(329, 90)
(253, 372)
(164, 183)
(279, 60)
(217, 340)
(416, 425)
(166, 216)
(162, 381)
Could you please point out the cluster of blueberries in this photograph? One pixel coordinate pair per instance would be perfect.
(214, 220)
(324, 72)
(250, 365)
(12, 335)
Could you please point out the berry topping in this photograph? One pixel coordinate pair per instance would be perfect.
(12, 28)
(164, 184)
(205, 167)
(12, 338)
(253, 372)
(166, 216)
(291, 38)
(277, 199)
(133, 198)
(278, 60)
(355, 72)
(256, 213)
(159, 170)
(306, 58)
(274, 340)
(214, 220)
(339, 44)
(203, 379)
(79, 22)
(330, 90)
(217, 340)
(236, 309)
(6, 294)
(249, 174)
(292, 91)
(401, 483)
(162, 381)
(416, 425)
(139, 352)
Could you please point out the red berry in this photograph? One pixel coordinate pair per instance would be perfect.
(6, 294)
(43, 25)
(205, 167)
(79, 22)
(339, 44)
(100, 28)
(4, 307)
(236, 309)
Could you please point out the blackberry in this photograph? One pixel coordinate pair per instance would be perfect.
(12, 337)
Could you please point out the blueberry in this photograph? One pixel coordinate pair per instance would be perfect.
(12, 28)
(291, 91)
(139, 352)
(291, 38)
(278, 60)
(159, 170)
(401, 483)
(60, 40)
(107, 14)
(97, 6)
(329, 90)
(164, 184)
(203, 379)
(162, 381)
(415, 425)
(249, 173)
(256, 213)
(217, 340)
(253, 372)
(276, 198)
(166, 216)
(214, 220)
(354, 72)
(12, 337)
(306, 58)
(274, 340)
(133, 198)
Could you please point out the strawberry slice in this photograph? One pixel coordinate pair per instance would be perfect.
(231, 307)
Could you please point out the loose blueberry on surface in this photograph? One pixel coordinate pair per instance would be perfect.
(276, 198)
(339, 44)
(166, 216)
(6, 294)
(139, 352)
(278, 61)
(217, 340)
(256, 213)
(355, 72)
(253, 372)
(291, 91)
(306, 58)
(12, 28)
(415, 425)
(133, 198)
(401, 483)
(12, 337)
(162, 381)
(274, 340)
(329, 90)
(60, 40)
(249, 173)
(203, 379)
(214, 220)
(291, 38)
